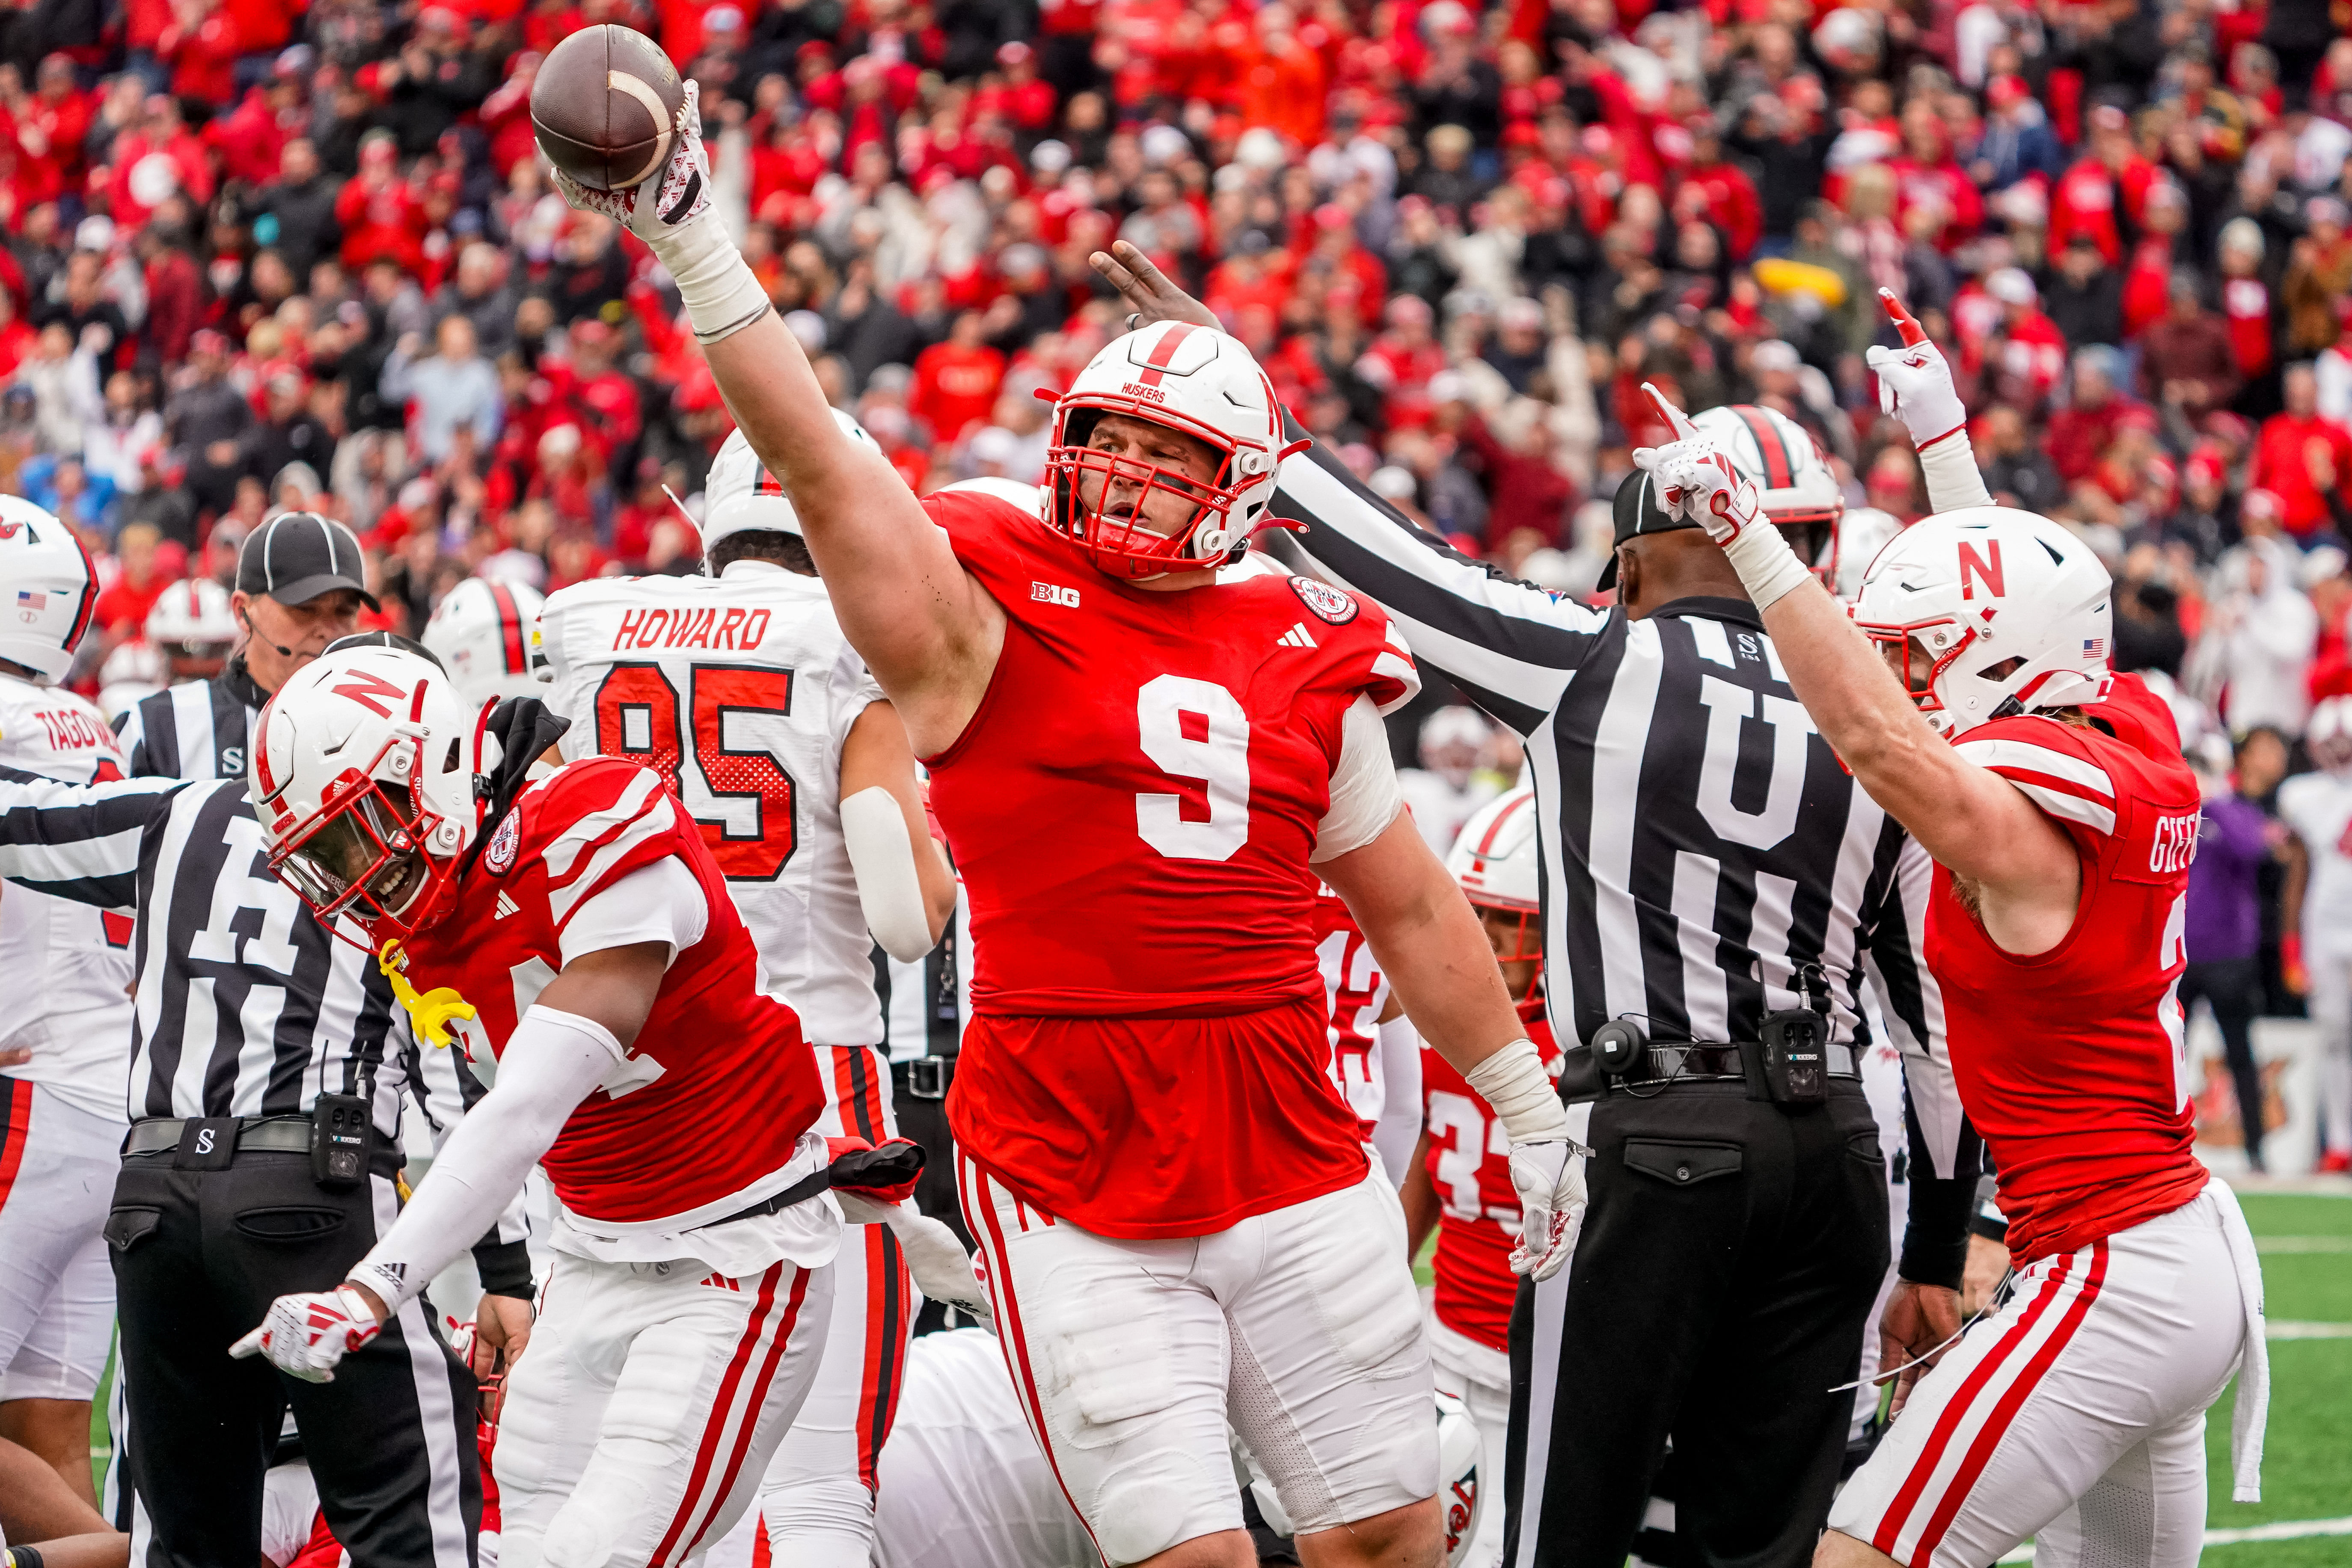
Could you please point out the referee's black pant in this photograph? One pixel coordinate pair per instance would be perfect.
(1729, 1257)
(198, 1258)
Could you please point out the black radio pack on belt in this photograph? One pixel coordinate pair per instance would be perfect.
(1620, 1046)
(340, 1133)
(1795, 1050)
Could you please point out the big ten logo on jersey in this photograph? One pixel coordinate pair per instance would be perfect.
(2175, 844)
(717, 748)
(704, 627)
(71, 729)
(1054, 594)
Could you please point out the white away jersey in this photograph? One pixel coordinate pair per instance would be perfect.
(77, 1020)
(738, 691)
(2318, 806)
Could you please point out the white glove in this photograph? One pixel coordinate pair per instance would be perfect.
(721, 292)
(304, 1336)
(942, 1269)
(657, 207)
(1914, 382)
(1698, 478)
(1550, 1177)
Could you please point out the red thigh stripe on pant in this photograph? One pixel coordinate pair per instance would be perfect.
(1980, 1451)
(1955, 1411)
(16, 1126)
(886, 1305)
(980, 1216)
(714, 1431)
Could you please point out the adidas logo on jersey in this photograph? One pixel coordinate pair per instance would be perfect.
(1296, 637)
(720, 1282)
(506, 906)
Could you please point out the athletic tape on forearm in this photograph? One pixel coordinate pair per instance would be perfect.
(1765, 562)
(721, 292)
(1948, 464)
(1514, 1082)
(882, 860)
(551, 1062)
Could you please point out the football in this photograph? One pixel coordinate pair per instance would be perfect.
(604, 107)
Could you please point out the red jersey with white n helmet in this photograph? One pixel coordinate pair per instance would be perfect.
(2072, 1062)
(718, 1087)
(1355, 992)
(1132, 808)
(1469, 1164)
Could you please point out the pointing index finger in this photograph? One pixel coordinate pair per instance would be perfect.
(1913, 334)
(1676, 420)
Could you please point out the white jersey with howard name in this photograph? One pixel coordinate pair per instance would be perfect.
(77, 1018)
(740, 691)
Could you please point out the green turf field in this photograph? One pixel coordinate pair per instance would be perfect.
(2307, 1244)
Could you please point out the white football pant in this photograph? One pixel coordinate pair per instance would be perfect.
(1301, 1326)
(2327, 959)
(57, 1166)
(2077, 1413)
(639, 1421)
(1480, 1376)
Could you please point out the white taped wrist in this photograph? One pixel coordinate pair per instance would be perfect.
(722, 293)
(1766, 564)
(1514, 1082)
(1948, 464)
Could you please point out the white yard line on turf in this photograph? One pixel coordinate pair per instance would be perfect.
(2285, 1530)
(2288, 1330)
(2270, 1244)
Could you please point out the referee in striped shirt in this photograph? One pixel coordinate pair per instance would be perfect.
(250, 1020)
(1707, 865)
(301, 582)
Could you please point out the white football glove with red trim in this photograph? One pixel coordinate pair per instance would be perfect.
(305, 1335)
(1914, 382)
(1550, 1179)
(1699, 480)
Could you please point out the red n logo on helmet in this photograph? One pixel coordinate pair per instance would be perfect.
(365, 687)
(1989, 571)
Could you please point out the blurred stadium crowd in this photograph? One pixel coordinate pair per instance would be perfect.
(260, 256)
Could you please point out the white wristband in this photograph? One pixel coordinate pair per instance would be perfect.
(1765, 562)
(721, 292)
(1948, 464)
(1514, 1082)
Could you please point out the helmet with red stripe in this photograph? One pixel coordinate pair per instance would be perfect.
(364, 778)
(1800, 494)
(1493, 859)
(192, 627)
(1989, 611)
(486, 635)
(47, 588)
(1138, 513)
(742, 496)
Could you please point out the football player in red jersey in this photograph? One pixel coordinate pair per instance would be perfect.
(1970, 694)
(1460, 1180)
(1141, 771)
(577, 934)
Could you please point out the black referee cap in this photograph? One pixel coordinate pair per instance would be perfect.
(298, 556)
(1638, 510)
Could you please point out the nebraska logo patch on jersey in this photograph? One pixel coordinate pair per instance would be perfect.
(499, 854)
(1327, 603)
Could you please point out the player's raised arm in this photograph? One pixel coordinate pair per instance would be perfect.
(1972, 820)
(921, 624)
(1915, 384)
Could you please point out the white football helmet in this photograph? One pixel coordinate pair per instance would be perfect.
(191, 628)
(132, 672)
(1495, 857)
(364, 776)
(48, 587)
(1194, 380)
(1800, 494)
(486, 635)
(1861, 534)
(1997, 611)
(741, 497)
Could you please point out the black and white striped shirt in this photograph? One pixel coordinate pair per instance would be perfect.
(196, 730)
(244, 1005)
(1702, 844)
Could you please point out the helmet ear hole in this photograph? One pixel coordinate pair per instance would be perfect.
(449, 762)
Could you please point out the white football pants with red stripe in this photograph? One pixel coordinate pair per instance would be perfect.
(818, 1497)
(57, 1166)
(1302, 1327)
(2077, 1413)
(640, 1420)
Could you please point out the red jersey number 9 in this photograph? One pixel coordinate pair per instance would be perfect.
(728, 778)
(1195, 730)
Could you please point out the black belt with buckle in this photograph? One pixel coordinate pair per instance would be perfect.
(1668, 1064)
(209, 1142)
